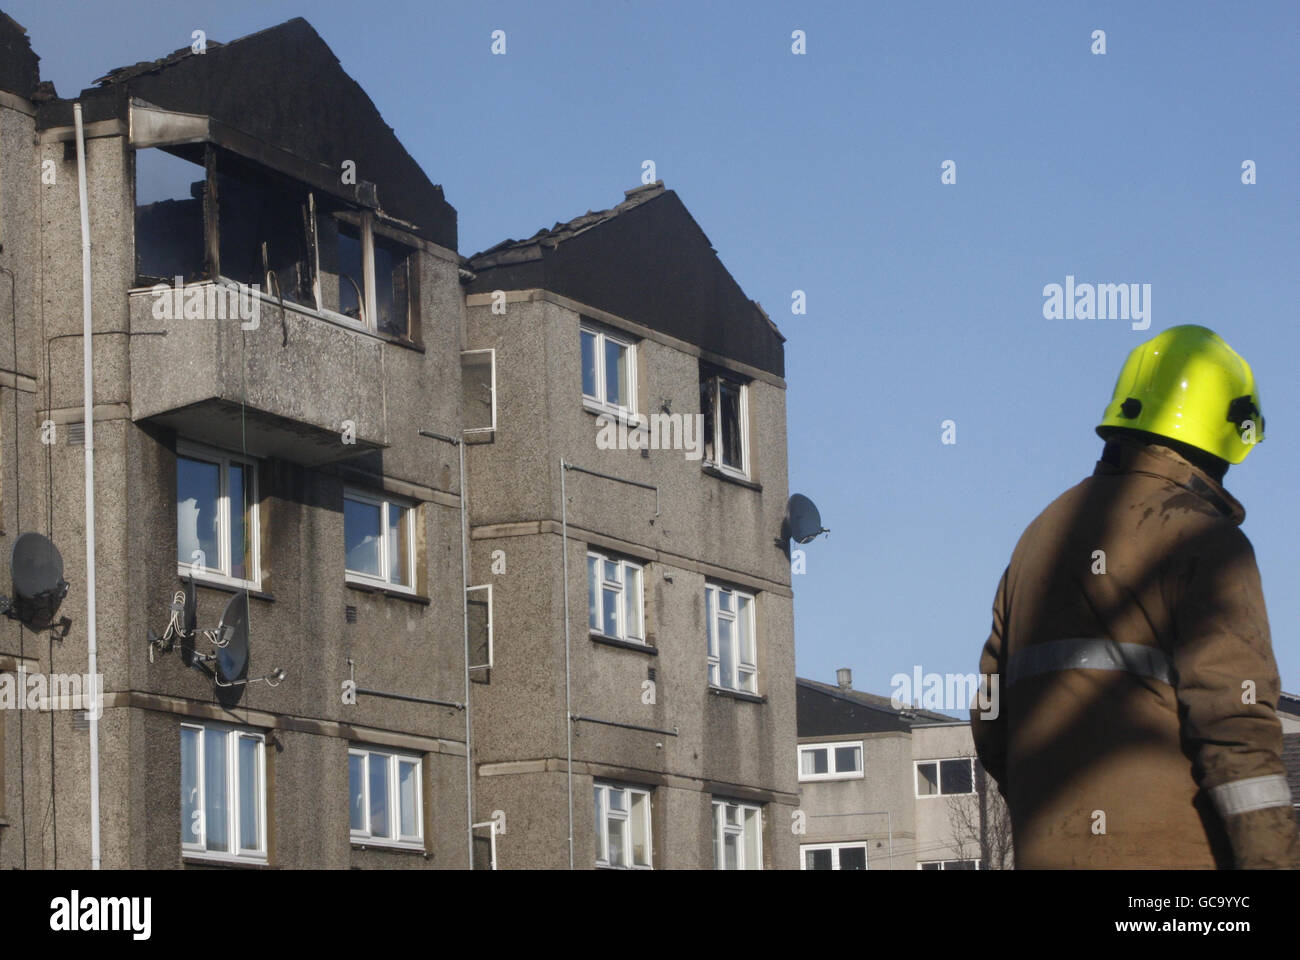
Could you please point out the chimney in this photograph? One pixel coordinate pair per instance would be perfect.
(844, 677)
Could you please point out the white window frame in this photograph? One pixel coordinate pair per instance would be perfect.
(721, 828)
(488, 588)
(599, 403)
(943, 864)
(382, 582)
(835, 849)
(253, 531)
(624, 565)
(393, 760)
(833, 772)
(492, 355)
(602, 826)
(198, 848)
(742, 413)
(714, 613)
(916, 778)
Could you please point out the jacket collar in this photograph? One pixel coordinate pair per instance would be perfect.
(1127, 455)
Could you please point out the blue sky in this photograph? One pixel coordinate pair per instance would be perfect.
(822, 173)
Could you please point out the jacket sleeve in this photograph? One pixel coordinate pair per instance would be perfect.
(989, 727)
(1227, 687)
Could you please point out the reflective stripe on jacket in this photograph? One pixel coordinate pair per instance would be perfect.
(1137, 723)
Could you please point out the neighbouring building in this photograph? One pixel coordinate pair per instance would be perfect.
(639, 444)
(303, 395)
(883, 788)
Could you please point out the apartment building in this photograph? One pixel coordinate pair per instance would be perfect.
(639, 450)
(882, 788)
(303, 394)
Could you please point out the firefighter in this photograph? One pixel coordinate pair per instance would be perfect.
(1136, 684)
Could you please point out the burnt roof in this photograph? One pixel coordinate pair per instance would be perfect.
(825, 709)
(284, 87)
(19, 65)
(645, 260)
(1289, 704)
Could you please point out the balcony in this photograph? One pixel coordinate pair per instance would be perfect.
(290, 384)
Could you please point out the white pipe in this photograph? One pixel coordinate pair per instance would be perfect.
(88, 379)
(464, 607)
(568, 703)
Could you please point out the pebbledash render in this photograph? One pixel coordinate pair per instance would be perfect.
(294, 369)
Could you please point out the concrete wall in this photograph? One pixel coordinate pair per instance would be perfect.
(707, 528)
(944, 824)
(877, 808)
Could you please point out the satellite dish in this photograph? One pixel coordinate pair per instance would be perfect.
(803, 520)
(191, 610)
(232, 641)
(38, 581)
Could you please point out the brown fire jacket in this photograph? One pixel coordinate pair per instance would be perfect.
(1136, 685)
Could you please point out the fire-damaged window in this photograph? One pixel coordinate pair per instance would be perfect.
(169, 192)
(342, 275)
(202, 210)
(393, 276)
(724, 402)
(265, 227)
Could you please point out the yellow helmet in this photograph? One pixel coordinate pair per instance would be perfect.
(1187, 384)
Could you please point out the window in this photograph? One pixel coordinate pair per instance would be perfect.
(341, 277)
(608, 370)
(737, 836)
(730, 617)
(216, 516)
(271, 232)
(169, 191)
(393, 281)
(265, 227)
(936, 778)
(479, 601)
(223, 792)
(622, 827)
(724, 401)
(478, 380)
(378, 537)
(834, 856)
(614, 598)
(831, 761)
(949, 865)
(386, 797)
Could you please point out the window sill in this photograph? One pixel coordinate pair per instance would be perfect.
(636, 645)
(388, 592)
(713, 471)
(359, 843)
(831, 778)
(619, 414)
(227, 587)
(247, 863)
(737, 694)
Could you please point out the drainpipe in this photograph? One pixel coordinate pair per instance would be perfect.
(88, 378)
(568, 697)
(459, 444)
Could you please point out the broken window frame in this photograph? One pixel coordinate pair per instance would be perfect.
(316, 205)
(711, 382)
